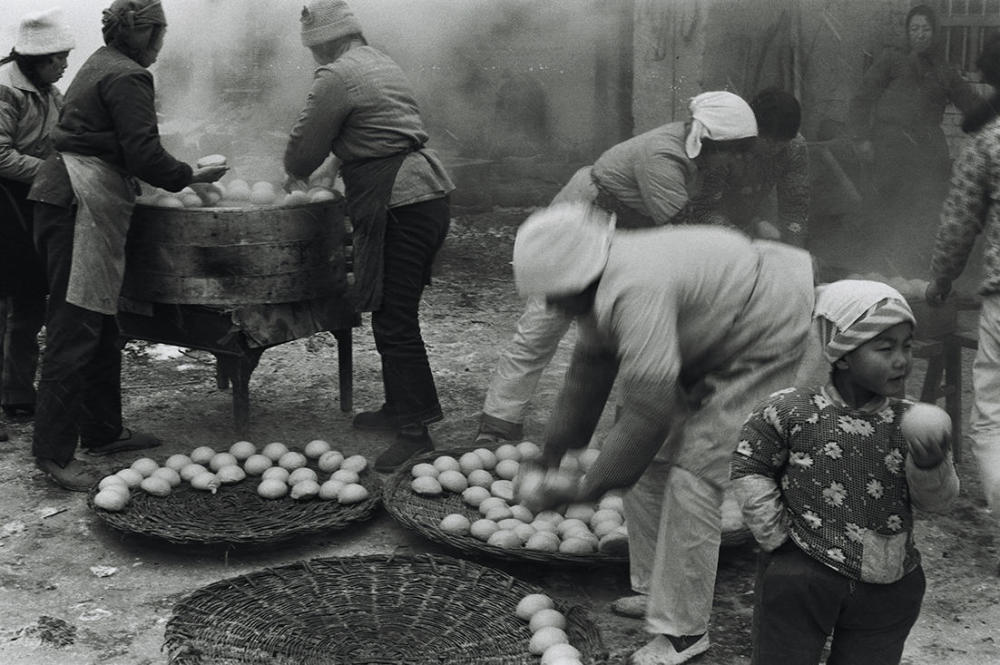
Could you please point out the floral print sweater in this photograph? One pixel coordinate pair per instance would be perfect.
(972, 207)
(837, 480)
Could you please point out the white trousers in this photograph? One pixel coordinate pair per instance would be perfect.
(519, 367)
(985, 430)
(674, 511)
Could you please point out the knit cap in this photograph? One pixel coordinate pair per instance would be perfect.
(562, 249)
(720, 116)
(851, 312)
(41, 33)
(326, 20)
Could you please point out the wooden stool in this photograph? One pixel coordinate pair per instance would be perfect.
(944, 376)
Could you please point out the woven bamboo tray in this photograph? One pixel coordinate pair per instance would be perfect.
(235, 514)
(417, 610)
(424, 513)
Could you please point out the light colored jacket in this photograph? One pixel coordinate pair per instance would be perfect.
(27, 117)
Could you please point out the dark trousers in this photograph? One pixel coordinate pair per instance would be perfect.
(413, 236)
(79, 393)
(23, 319)
(799, 602)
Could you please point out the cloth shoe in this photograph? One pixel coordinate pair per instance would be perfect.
(19, 411)
(76, 476)
(383, 420)
(662, 650)
(408, 443)
(494, 431)
(633, 607)
(127, 440)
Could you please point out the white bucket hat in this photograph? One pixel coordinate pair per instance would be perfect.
(42, 33)
(562, 249)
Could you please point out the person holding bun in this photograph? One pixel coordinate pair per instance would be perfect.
(828, 479)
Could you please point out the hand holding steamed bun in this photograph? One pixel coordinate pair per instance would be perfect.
(927, 430)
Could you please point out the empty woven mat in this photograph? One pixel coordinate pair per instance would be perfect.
(235, 514)
(418, 610)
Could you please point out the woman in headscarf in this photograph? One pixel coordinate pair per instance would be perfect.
(896, 121)
(647, 180)
(29, 108)
(362, 110)
(106, 139)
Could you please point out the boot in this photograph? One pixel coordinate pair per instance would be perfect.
(410, 440)
(383, 420)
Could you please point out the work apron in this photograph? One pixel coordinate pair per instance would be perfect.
(105, 199)
(368, 187)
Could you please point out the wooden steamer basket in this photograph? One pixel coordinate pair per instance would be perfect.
(226, 256)
(238, 280)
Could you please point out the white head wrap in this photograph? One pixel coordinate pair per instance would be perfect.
(562, 249)
(851, 312)
(720, 116)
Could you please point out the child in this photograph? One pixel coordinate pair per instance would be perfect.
(828, 483)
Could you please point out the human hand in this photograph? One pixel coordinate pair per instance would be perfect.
(208, 173)
(927, 431)
(767, 230)
(295, 184)
(538, 488)
(937, 291)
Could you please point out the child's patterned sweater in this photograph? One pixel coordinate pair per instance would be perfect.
(838, 480)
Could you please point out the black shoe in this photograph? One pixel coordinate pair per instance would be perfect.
(76, 476)
(3, 433)
(128, 440)
(19, 411)
(382, 420)
(407, 444)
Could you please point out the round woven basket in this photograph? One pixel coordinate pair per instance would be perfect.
(417, 610)
(235, 514)
(424, 513)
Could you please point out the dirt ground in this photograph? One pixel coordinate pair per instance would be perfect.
(73, 591)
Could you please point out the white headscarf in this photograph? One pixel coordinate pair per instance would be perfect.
(720, 116)
(562, 249)
(851, 312)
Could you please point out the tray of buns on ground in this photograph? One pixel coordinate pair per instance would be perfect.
(240, 493)
(417, 609)
(465, 498)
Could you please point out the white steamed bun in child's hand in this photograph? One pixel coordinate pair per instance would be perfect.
(927, 430)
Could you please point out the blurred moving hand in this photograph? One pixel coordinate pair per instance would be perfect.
(538, 488)
(294, 184)
(937, 291)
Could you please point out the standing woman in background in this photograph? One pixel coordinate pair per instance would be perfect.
(29, 109)
(362, 109)
(973, 208)
(896, 121)
(107, 139)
